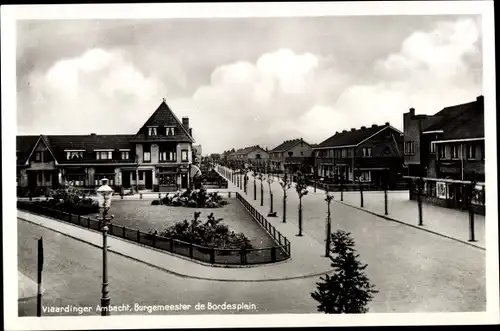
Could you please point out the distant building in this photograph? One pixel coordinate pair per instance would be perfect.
(291, 156)
(158, 157)
(251, 156)
(365, 154)
(446, 149)
(197, 154)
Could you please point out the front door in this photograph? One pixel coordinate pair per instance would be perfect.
(126, 179)
(148, 179)
(184, 181)
(32, 180)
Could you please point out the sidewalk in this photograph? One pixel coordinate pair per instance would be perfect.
(306, 260)
(27, 288)
(450, 223)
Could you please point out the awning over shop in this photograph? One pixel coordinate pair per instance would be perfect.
(195, 171)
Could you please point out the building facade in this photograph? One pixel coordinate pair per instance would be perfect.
(368, 154)
(253, 156)
(157, 158)
(447, 149)
(292, 156)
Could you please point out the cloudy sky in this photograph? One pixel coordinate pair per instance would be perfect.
(243, 81)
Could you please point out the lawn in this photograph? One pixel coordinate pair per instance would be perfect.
(141, 215)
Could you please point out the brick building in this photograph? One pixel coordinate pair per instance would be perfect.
(447, 149)
(291, 156)
(158, 157)
(367, 154)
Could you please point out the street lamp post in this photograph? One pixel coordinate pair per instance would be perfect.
(301, 188)
(420, 184)
(328, 200)
(261, 178)
(105, 192)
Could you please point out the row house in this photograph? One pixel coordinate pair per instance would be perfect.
(366, 154)
(158, 157)
(292, 156)
(251, 156)
(446, 148)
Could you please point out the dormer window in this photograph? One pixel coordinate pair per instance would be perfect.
(169, 131)
(74, 155)
(152, 131)
(104, 155)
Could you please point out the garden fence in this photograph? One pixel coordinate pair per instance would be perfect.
(281, 240)
(197, 252)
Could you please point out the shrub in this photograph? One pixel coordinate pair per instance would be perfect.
(198, 198)
(211, 233)
(156, 202)
(348, 290)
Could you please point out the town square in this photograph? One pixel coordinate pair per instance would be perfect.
(253, 166)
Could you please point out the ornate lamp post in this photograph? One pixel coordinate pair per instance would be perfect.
(420, 187)
(328, 200)
(105, 192)
(270, 181)
(245, 181)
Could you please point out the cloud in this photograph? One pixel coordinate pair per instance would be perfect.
(282, 94)
(100, 90)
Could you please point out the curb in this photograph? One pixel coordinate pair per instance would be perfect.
(411, 225)
(179, 274)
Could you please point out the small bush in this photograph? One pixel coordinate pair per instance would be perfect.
(156, 202)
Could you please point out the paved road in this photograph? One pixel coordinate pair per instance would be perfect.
(414, 271)
(72, 276)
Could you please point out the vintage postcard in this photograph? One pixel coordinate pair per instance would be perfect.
(253, 164)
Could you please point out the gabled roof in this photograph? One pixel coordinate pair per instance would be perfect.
(354, 137)
(164, 116)
(286, 145)
(24, 146)
(446, 115)
(247, 150)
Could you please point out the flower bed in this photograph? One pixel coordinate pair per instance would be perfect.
(199, 198)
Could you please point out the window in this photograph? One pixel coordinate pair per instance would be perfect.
(257, 156)
(343, 152)
(409, 147)
(147, 156)
(471, 152)
(152, 131)
(47, 177)
(125, 155)
(38, 156)
(74, 155)
(184, 155)
(141, 175)
(442, 151)
(133, 175)
(168, 156)
(301, 153)
(432, 148)
(365, 176)
(367, 151)
(104, 155)
(169, 131)
(454, 151)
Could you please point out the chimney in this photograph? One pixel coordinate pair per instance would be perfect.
(336, 132)
(353, 129)
(185, 123)
(344, 131)
(480, 101)
(363, 127)
(412, 111)
(374, 125)
(387, 123)
(92, 134)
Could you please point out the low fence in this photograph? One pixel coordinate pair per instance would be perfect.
(401, 186)
(281, 240)
(211, 255)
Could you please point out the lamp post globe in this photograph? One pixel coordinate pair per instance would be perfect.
(104, 193)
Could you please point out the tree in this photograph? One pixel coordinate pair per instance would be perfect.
(301, 188)
(286, 184)
(348, 290)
